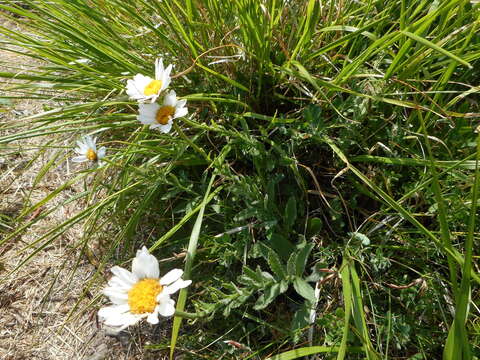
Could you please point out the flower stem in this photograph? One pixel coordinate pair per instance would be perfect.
(190, 142)
(187, 315)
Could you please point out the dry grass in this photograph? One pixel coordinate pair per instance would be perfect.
(34, 323)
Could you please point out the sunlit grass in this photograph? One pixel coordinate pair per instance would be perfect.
(324, 124)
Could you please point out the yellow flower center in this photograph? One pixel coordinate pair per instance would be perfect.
(142, 297)
(153, 88)
(164, 114)
(91, 155)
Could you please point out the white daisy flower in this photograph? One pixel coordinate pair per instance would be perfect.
(141, 293)
(161, 116)
(87, 150)
(143, 88)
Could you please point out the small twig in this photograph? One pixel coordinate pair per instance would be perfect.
(402, 287)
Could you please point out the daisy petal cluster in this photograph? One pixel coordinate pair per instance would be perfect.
(146, 91)
(141, 293)
(87, 151)
(158, 115)
(143, 88)
(161, 116)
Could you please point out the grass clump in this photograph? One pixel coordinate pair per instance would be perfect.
(330, 150)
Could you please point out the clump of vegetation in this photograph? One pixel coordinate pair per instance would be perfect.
(328, 156)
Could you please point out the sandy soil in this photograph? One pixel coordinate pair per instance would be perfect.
(35, 301)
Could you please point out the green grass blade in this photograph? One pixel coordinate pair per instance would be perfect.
(184, 220)
(457, 345)
(400, 209)
(359, 314)
(442, 211)
(448, 164)
(306, 351)
(347, 299)
(191, 251)
(436, 48)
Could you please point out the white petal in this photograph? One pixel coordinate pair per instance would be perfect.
(155, 125)
(149, 112)
(82, 146)
(153, 98)
(116, 295)
(170, 99)
(141, 81)
(181, 103)
(145, 265)
(159, 68)
(171, 276)
(119, 285)
(101, 152)
(90, 142)
(153, 317)
(167, 307)
(131, 88)
(112, 310)
(181, 112)
(177, 285)
(145, 120)
(136, 87)
(138, 78)
(142, 84)
(80, 158)
(117, 300)
(165, 128)
(124, 274)
(167, 71)
(122, 320)
(165, 82)
(115, 291)
(146, 115)
(148, 108)
(134, 94)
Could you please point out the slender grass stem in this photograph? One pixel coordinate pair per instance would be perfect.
(442, 211)
(199, 150)
(187, 315)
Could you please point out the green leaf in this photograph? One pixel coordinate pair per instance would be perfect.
(304, 289)
(302, 258)
(300, 320)
(269, 294)
(361, 237)
(314, 226)
(291, 264)
(298, 259)
(281, 245)
(290, 212)
(252, 277)
(276, 264)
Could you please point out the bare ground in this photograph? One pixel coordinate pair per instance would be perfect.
(36, 300)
